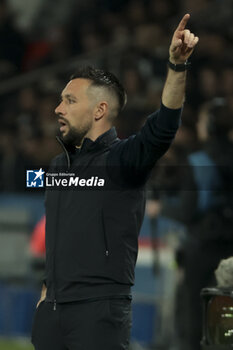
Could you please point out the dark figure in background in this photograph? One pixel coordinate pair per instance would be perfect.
(11, 42)
(211, 228)
(205, 205)
(91, 235)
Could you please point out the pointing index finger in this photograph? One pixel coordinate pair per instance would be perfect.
(183, 22)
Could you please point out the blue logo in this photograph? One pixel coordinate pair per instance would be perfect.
(35, 178)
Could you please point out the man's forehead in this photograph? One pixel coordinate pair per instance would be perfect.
(76, 85)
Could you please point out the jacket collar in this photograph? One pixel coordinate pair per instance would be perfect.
(104, 140)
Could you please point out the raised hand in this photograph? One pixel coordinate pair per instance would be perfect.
(183, 42)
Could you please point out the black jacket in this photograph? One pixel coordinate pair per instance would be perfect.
(92, 232)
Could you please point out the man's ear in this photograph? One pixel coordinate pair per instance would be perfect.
(101, 110)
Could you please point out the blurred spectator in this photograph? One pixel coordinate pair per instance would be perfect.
(27, 111)
(11, 43)
(37, 241)
(194, 6)
(136, 13)
(135, 87)
(224, 273)
(226, 81)
(12, 163)
(161, 11)
(201, 197)
(37, 251)
(208, 83)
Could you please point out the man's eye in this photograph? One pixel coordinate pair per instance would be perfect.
(70, 101)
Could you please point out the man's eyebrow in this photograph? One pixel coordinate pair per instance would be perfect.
(68, 96)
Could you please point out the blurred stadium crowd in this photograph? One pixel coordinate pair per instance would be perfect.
(131, 38)
(140, 32)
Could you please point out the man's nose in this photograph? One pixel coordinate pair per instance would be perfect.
(60, 110)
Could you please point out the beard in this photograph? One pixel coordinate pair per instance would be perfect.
(74, 136)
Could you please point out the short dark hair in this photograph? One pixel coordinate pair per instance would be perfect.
(102, 78)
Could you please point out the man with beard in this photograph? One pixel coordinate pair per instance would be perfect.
(91, 234)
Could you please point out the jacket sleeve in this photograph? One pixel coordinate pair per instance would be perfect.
(131, 160)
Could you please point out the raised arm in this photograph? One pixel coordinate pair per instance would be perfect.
(182, 46)
(133, 158)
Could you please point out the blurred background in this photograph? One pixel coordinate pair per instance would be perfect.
(187, 227)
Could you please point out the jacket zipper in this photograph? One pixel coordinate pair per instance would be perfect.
(65, 151)
(54, 261)
(105, 237)
(54, 275)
